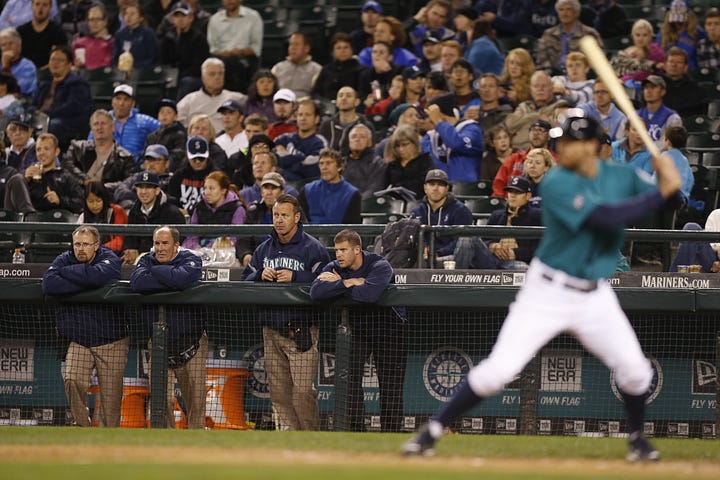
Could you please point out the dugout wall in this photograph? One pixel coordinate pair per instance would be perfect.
(564, 391)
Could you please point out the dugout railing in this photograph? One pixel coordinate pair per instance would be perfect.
(563, 391)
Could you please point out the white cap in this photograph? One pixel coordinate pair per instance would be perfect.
(284, 94)
(126, 89)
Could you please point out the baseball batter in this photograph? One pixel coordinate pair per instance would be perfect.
(586, 204)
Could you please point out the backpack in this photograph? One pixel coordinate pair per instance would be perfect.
(399, 242)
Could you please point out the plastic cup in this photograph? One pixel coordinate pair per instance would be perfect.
(449, 265)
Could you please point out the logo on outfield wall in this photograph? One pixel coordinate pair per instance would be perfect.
(656, 383)
(17, 360)
(561, 372)
(705, 379)
(443, 371)
(255, 357)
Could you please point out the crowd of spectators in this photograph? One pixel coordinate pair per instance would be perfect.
(447, 88)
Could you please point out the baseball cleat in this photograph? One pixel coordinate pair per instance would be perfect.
(421, 445)
(640, 450)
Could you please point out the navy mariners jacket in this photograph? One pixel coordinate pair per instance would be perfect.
(180, 273)
(454, 212)
(378, 275)
(303, 254)
(89, 325)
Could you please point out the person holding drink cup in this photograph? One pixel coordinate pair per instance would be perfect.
(96, 49)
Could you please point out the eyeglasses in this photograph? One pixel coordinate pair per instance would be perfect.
(83, 244)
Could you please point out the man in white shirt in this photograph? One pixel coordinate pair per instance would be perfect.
(210, 97)
(234, 138)
(235, 35)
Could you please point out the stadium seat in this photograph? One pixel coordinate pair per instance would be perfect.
(694, 158)
(615, 44)
(381, 219)
(468, 190)
(44, 247)
(9, 241)
(703, 142)
(382, 205)
(150, 86)
(697, 123)
(711, 90)
(713, 110)
(711, 159)
(275, 39)
(519, 41)
(703, 74)
(482, 207)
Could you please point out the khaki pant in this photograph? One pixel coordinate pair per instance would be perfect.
(290, 376)
(109, 361)
(191, 378)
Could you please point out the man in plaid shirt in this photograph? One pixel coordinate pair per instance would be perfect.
(708, 49)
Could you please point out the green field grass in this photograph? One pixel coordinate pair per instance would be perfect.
(205, 455)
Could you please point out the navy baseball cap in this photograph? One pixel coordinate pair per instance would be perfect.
(541, 123)
(182, 7)
(230, 106)
(260, 138)
(412, 72)
(147, 177)
(372, 5)
(157, 151)
(22, 119)
(432, 36)
(577, 125)
(197, 147)
(166, 102)
(518, 184)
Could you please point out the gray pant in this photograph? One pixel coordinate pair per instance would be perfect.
(290, 377)
(109, 361)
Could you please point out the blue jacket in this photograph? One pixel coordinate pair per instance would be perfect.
(484, 56)
(304, 255)
(401, 56)
(641, 159)
(252, 194)
(613, 124)
(683, 167)
(454, 212)
(457, 150)
(88, 324)
(376, 271)
(25, 73)
(72, 102)
(182, 272)
(331, 203)
(133, 133)
(301, 160)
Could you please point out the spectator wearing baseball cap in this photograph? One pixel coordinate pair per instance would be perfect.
(184, 47)
(259, 212)
(343, 69)
(263, 161)
(298, 71)
(284, 105)
(371, 11)
(20, 152)
(539, 135)
(233, 138)
(681, 28)
(155, 160)
(655, 113)
(503, 253)
(187, 183)
(131, 127)
(433, 16)
(455, 146)
(152, 207)
(430, 60)
(440, 207)
(171, 133)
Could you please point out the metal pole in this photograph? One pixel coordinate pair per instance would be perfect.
(159, 372)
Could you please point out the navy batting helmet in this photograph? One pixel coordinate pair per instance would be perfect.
(577, 125)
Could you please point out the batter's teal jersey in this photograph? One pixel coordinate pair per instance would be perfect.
(567, 200)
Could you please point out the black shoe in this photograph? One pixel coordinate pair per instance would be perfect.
(640, 450)
(422, 444)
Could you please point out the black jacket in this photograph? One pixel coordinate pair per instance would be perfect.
(411, 176)
(335, 75)
(174, 137)
(185, 52)
(82, 154)
(68, 187)
(527, 217)
(162, 213)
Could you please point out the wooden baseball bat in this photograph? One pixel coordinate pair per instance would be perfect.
(598, 61)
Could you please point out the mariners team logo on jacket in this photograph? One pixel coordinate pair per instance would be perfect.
(258, 383)
(443, 371)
